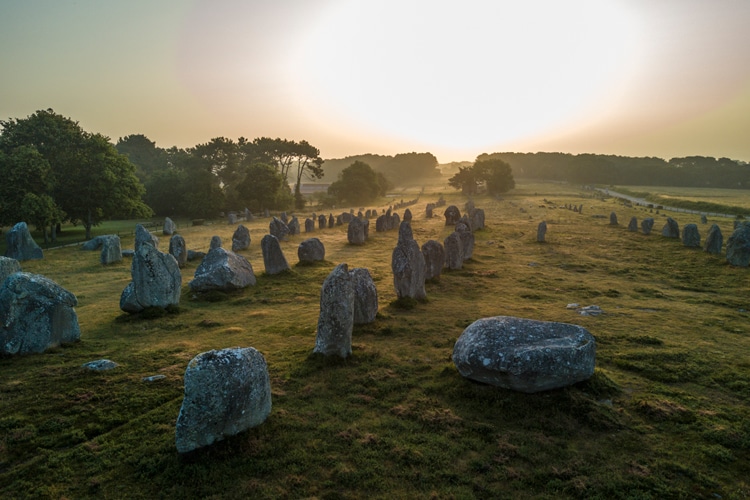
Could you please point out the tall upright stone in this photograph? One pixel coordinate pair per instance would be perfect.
(476, 217)
(365, 296)
(169, 227)
(647, 225)
(408, 265)
(714, 240)
(240, 238)
(321, 221)
(671, 229)
(278, 228)
(215, 242)
(407, 215)
(738, 246)
(612, 219)
(454, 254)
(8, 266)
(156, 279)
(273, 258)
(690, 236)
(467, 240)
(356, 231)
(633, 225)
(311, 250)
(178, 249)
(293, 226)
(452, 215)
(309, 225)
(434, 259)
(541, 231)
(336, 318)
(144, 236)
(20, 245)
(111, 250)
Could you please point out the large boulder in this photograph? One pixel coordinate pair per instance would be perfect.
(240, 238)
(738, 246)
(20, 244)
(408, 265)
(178, 250)
(156, 280)
(336, 318)
(434, 259)
(111, 250)
(311, 250)
(8, 266)
(525, 355)
(690, 236)
(365, 296)
(226, 392)
(273, 258)
(671, 229)
(714, 240)
(222, 270)
(35, 314)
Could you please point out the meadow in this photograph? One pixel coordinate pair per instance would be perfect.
(666, 414)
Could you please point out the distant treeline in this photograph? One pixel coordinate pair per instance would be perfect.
(402, 169)
(690, 171)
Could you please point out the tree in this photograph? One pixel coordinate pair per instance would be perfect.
(358, 184)
(309, 165)
(144, 154)
(90, 180)
(496, 174)
(465, 180)
(263, 188)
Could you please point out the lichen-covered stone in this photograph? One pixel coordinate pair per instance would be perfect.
(452, 215)
(408, 265)
(336, 319)
(273, 257)
(178, 250)
(226, 392)
(311, 250)
(738, 246)
(365, 296)
(111, 250)
(20, 245)
(714, 240)
(647, 225)
(690, 236)
(169, 227)
(8, 266)
(222, 270)
(525, 355)
(36, 314)
(240, 238)
(355, 232)
(434, 259)
(156, 280)
(671, 229)
(541, 231)
(454, 253)
(278, 228)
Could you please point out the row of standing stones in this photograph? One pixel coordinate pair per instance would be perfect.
(488, 351)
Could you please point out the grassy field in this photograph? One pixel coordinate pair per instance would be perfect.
(666, 414)
(730, 201)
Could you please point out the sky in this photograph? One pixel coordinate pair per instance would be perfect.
(662, 78)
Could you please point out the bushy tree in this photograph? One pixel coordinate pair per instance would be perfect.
(264, 187)
(494, 174)
(358, 184)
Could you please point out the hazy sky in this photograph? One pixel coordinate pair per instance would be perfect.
(633, 77)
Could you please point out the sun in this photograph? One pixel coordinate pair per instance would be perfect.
(463, 75)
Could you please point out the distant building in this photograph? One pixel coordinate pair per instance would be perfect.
(308, 189)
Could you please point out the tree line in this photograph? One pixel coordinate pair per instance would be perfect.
(689, 171)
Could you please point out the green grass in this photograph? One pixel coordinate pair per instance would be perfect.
(709, 200)
(665, 415)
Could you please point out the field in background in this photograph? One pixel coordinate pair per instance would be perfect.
(732, 201)
(666, 414)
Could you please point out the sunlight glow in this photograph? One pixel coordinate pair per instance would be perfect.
(464, 75)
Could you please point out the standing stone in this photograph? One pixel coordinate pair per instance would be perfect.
(284, 218)
(356, 231)
(366, 228)
(476, 218)
(293, 226)
(452, 215)
(156, 281)
(381, 223)
(94, 243)
(222, 270)
(346, 217)
(169, 227)
(240, 238)
(454, 256)
(266, 213)
(278, 228)
(394, 221)
(20, 245)
(232, 219)
(226, 392)
(408, 265)
(671, 229)
(36, 314)
(407, 215)
(428, 210)
(144, 236)
(738, 246)
(467, 240)
(690, 236)
(339, 220)
(111, 250)
(714, 240)
(612, 219)
(215, 243)
(469, 205)
(331, 221)
(178, 250)
(309, 225)
(321, 221)
(273, 258)
(704, 219)
(541, 231)
(8, 266)
(311, 250)
(525, 355)
(434, 259)
(633, 225)
(336, 319)
(365, 296)
(580, 208)
(647, 225)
